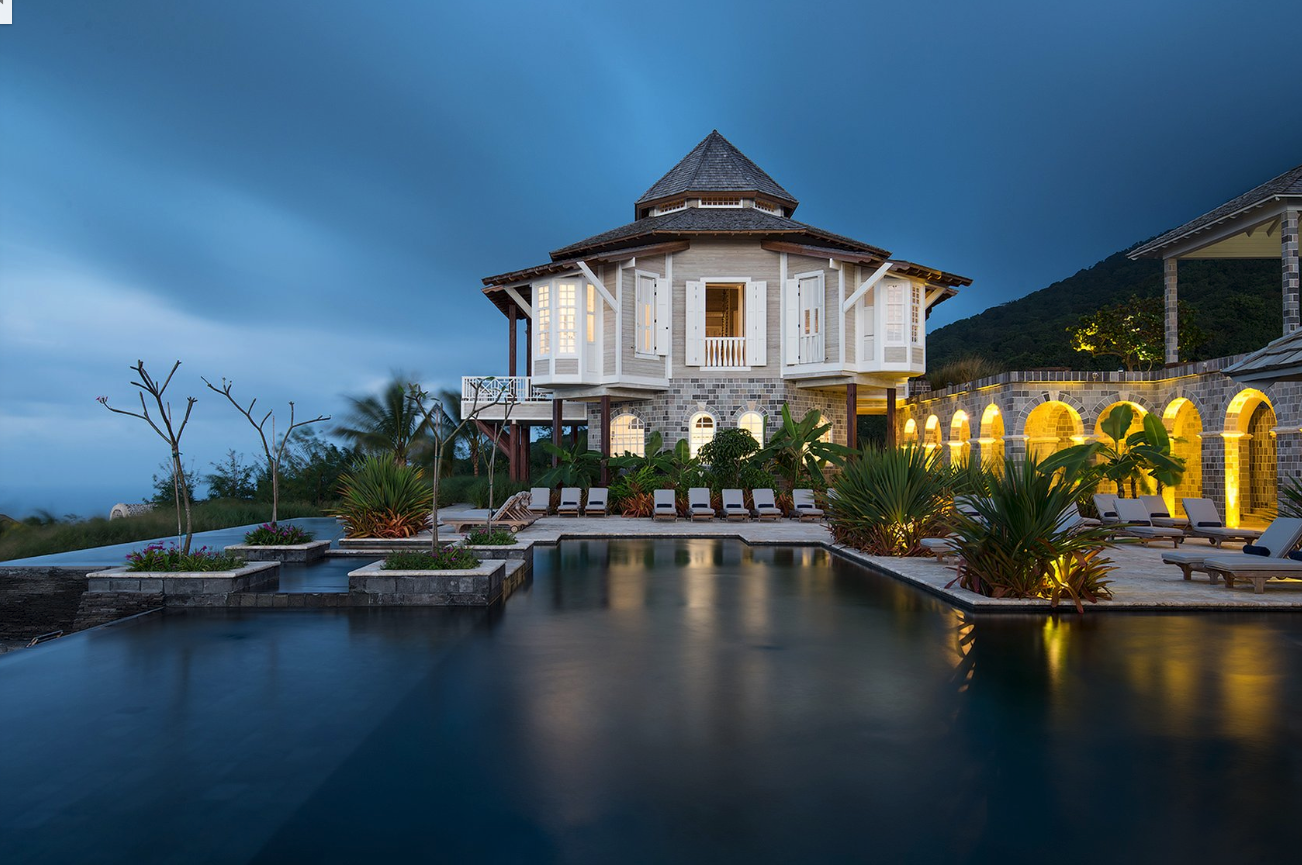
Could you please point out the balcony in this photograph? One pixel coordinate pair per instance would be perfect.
(724, 352)
(494, 395)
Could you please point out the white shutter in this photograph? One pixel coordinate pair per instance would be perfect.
(791, 327)
(818, 305)
(662, 322)
(695, 323)
(757, 318)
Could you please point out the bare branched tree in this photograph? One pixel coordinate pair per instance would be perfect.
(167, 431)
(273, 454)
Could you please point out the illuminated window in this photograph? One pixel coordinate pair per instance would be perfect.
(592, 313)
(645, 325)
(700, 432)
(895, 313)
(671, 206)
(627, 435)
(915, 310)
(543, 318)
(566, 299)
(721, 201)
(753, 422)
(765, 206)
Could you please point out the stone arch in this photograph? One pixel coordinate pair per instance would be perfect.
(701, 428)
(960, 435)
(627, 433)
(931, 435)
(1184, 423)
(910, 436)
(1045, 397)
(1052, 426)
(992, 439)
(1251, 463)
(740, 419)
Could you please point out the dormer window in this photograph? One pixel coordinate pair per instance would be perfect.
(671, 206)
(721, 201)
(760, 204)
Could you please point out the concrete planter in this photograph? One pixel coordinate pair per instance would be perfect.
(519, 550)
(478, 586)
(296, 553)
(187, 586)
(383, 545)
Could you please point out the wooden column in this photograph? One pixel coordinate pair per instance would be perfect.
(510, 346)
(605, 440)
(852, 416)
(524, 451)
(574, 435)
(557, 439)
(890, 417)
(513, 443)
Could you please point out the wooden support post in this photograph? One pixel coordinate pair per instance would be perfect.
(514, 441)
(525, 467)
(852, 416)
(557, 439)
(605, 440)
(510, 346)
(890, 417)
(574, 435)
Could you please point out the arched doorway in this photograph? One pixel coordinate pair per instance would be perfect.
(960, 436)
(1185, 426)
(1052, 426)
(992, 440)
(910, 432)
(1136, 425)
(931, 434)
(1251, 467)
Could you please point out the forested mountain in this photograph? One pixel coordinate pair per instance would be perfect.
(1237, 304)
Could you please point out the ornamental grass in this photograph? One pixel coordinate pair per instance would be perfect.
(886, 501)
(449, 558)
(382, 499)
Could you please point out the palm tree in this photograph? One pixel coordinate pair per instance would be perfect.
(798, 450)
(386, 423)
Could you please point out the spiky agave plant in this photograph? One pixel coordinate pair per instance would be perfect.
(888, 500)
(382, 499)
(1020, 545)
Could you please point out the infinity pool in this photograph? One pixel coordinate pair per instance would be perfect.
(659, 701)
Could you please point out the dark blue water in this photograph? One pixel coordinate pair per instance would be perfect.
(659, 701)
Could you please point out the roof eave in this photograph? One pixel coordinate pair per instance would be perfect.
(1154, 248)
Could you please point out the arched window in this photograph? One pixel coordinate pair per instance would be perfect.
(753, 422)
(627, 435)
(700, 431)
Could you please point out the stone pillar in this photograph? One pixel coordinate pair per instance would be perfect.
(852, 416)
(890, 417)
(1014, 449)
(1288, 240)
(1213, 465)
(605, 440)
(1169, 272)
(510, 345)
(557, 437)
(1288, 459)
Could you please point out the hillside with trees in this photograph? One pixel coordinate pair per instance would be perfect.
(1236, 305)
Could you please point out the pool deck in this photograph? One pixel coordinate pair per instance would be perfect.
(1141, 582)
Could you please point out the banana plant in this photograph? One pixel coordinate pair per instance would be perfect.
(797, 449)
(575, 467)
(1126, 460)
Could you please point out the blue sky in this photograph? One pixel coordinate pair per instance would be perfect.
(304, 196)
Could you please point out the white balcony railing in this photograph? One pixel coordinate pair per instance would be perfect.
(725, 352)
(500, 389)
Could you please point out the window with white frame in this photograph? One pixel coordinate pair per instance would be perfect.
(627, 435)
(592, 313)
(566, 303)
(752, 422)
(895, 302)
(915, 315)
(700, 432)
(645, 302)
(542, 310)
(721, 201)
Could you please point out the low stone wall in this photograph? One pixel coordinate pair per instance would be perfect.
(35, 601)
(478, 586)
(290, 553)
(199, 588)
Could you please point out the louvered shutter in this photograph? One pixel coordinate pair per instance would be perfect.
(662, 322)
(695, 323)
(791, 327)
(757, 317)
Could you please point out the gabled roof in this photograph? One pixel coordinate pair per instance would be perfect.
(715, 165)
(1280, 360)
(695, 220)
(1288, 184)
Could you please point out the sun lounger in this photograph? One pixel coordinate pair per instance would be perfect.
(1205, 522)
(1135, 522)
(596, 504)
(698, 502)
(540, 500)
(806, 509)
(666, 505)
(734, 505)
(513, 514)
(1158, 514)
(1279, 539)
(1253, 569)
(1072, 520)
(942, 548)
(1107, 508)
(569, 504)
(766, 507)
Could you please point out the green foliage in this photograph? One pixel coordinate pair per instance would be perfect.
(961, 370)
(1126, 460)
(726, 455)
(1134, 331)
(577, 467)
(797, 451)
(268, 535)
(1020, 547)
(1236, 303)
(1291, 498)
(383, 499)
(232, 478)
(484, 538)
(310, 470)
(385, 424)
(165, 487)
(888, 500)
(446, 559)
(158, 557)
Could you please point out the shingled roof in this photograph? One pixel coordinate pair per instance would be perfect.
(1288, 184)
(1280, 360)
(715, 165)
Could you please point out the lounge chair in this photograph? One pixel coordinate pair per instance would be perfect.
(1072, 520)
(1280, 538)
(1253, 569)
(540, 500)
(1135, 522)
(514, 514)
(1107, 508)
(766, 507)
(1158, 515)
(942, 548)
(698, 503)
(734, 505)
(806, 509)
(666, 505)
(571, 497)
(1205, 522)
(596, 504)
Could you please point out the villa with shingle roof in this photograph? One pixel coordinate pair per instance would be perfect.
(711, 309)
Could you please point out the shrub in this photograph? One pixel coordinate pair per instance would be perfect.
(267, 535)
(961, 371)
(485, 538)
(888, 500)
(725, 455)
(157, 557)
(1019, 548)
(382, 499)
(447, 559)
